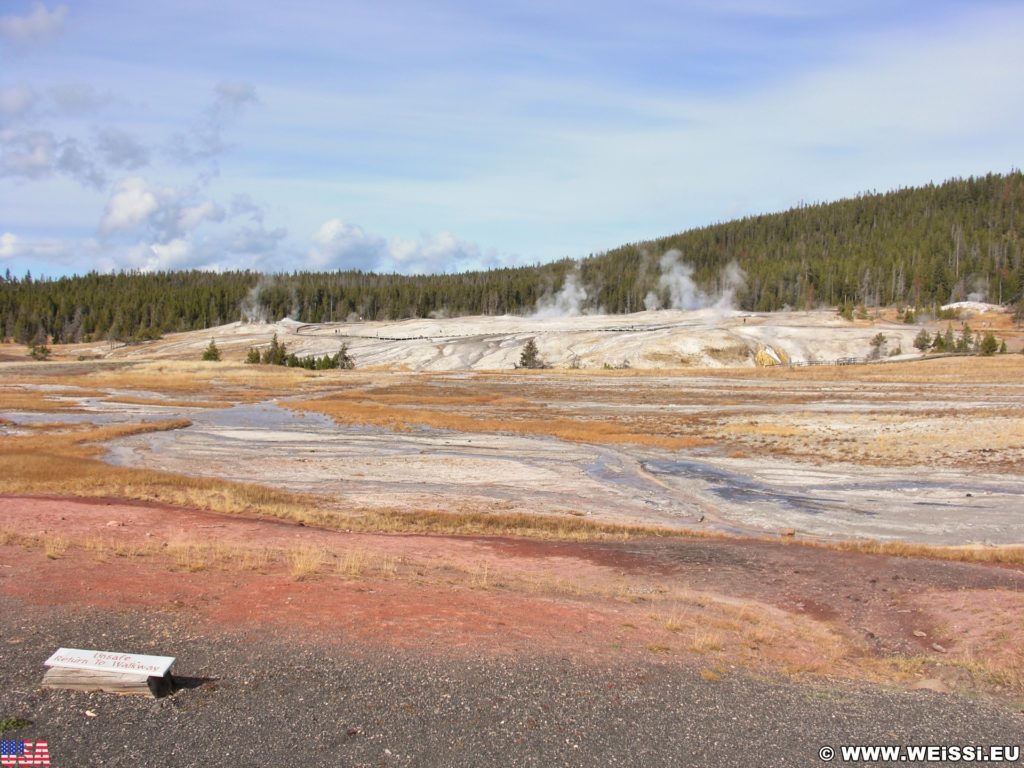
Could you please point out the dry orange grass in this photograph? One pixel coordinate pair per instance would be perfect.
(999, 369)
(35, 400)
(1012, 555)
(364, 412)
(69, 463)
(453, 397)
(502, 524)
(227, 381)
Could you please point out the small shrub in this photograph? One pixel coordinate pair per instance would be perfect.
(704, 641)
(55, 546)
(877, 343)
(13, 724)
(211, 353)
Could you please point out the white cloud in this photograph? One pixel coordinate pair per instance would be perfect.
(38, 25)
(342, 245)
(163, 213)
(176, 254)
(192, 216)
(147, 227)
(130, 206)
(8, 246)
(440, 252)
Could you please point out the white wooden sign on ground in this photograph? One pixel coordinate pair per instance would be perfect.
(104, 661)
(84, 670)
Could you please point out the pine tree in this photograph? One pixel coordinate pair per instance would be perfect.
(275, 354)
(923, 340)
(211, 353)
(343, 360)
(966, 341)
(530, 357)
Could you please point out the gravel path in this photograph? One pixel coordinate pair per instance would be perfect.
(278, 704)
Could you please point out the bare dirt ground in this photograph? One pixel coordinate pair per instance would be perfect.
(772, 607)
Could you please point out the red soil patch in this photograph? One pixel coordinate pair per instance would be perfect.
(582, 599)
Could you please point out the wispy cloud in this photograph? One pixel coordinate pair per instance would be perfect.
(12, 247)
(204, 142)
(16, 101)
(38, 25)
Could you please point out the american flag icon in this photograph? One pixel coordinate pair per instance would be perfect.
(15, 752)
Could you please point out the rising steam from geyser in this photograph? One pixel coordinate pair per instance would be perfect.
(676, 281)
(568, 302)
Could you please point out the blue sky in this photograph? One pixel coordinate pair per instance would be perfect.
(443, 136)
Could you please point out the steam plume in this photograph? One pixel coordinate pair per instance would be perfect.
(568, 302)
(677, 281)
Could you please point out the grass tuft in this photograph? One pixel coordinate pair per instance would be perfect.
(55, 546)
(305, 561)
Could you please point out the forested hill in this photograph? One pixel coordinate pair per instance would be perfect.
(919, 246)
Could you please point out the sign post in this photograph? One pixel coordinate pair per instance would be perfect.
(127, 673)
